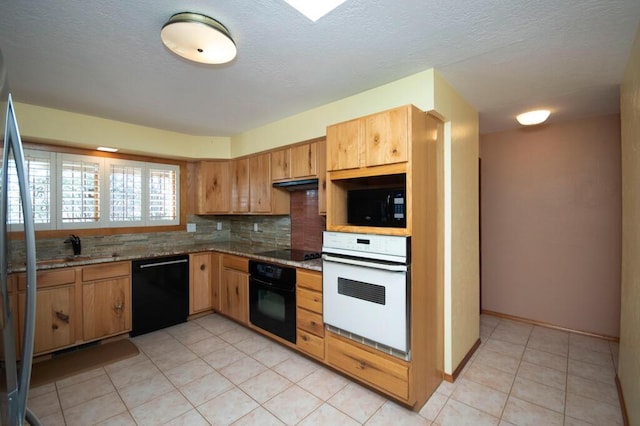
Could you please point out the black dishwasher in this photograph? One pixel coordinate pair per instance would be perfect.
(159, 292)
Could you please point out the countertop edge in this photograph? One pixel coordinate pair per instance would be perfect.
(239, 249)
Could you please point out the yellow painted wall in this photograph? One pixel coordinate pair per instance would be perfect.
(629, 360)
(416, 89)
(462, 267)
(39, 124)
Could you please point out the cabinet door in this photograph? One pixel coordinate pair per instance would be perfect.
(106, 307)
(343, 142)
(234, 295)
(240, 185)
(216, 270)
(280, 164)
(200, 283)
(386, 137)
(260, 187)
(304, 160)
(55, 318)
(322, 177)
(214, 195)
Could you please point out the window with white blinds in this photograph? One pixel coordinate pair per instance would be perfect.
(125, 189)
(163, 194)
(79, 191)
(39, 176)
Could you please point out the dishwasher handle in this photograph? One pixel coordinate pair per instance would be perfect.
(169, 262)
(387, 266)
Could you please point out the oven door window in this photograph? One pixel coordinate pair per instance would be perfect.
(271, 304)
(273, 310)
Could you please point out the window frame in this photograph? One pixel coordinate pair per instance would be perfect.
(56, 152)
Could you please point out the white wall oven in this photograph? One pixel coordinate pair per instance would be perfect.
(366, 291)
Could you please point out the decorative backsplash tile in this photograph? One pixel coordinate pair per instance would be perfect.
(301, 230)
(306, 224)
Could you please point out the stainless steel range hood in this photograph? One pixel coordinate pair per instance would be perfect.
(297, 185)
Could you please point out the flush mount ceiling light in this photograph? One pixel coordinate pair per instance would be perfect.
(198, 38)
(314, 10)
(533, 117)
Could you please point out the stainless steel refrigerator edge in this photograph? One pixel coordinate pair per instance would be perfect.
(14, 377)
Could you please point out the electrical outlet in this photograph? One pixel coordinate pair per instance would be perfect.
(191, 227)
(218, 226)
(255, 227)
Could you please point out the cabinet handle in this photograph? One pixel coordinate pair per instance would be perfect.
(202, 267)
(118, 306)
(54, 326)
(362, 364)
(62, 317)
(304, 338)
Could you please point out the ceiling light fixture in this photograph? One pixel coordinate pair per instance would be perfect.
(198, 38)
(530, 118)
(314, 10)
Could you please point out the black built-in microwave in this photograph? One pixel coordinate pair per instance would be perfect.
(382, 207)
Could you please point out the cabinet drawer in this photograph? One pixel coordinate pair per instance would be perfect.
(107, 270)
(310, 321)
(384, 373)
(49, 278)
(310, 344)
(310, 300)
(235, 262)
(310, 280)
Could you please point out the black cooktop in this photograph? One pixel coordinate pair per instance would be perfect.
(291, 254)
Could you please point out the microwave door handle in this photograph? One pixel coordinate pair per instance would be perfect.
(365, 264)
(389, 210)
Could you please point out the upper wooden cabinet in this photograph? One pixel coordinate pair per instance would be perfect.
(240, 185)
(213, 187)
(260, 183)
(390, 149)
(281, 164)
(374, 140)
(322, 176)
(304, 160)
(298, 161)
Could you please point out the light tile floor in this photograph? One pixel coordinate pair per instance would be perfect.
(213, 371)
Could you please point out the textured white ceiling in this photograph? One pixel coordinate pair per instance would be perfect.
(106, 59)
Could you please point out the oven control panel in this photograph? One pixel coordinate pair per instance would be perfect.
(373, 244)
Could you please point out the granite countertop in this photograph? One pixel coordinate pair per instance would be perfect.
(249, 250)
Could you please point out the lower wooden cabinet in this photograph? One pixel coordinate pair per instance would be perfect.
(234, 288)
(76, 305)
(56, 318)
(310, 327)
(200, 283)
(385, 373)
(106, 300)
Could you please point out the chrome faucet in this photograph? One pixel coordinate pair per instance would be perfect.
(74, 240)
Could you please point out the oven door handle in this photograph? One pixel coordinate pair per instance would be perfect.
(270, 285)
(366, 264)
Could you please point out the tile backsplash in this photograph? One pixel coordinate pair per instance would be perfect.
(301, 230)
(306, 224)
